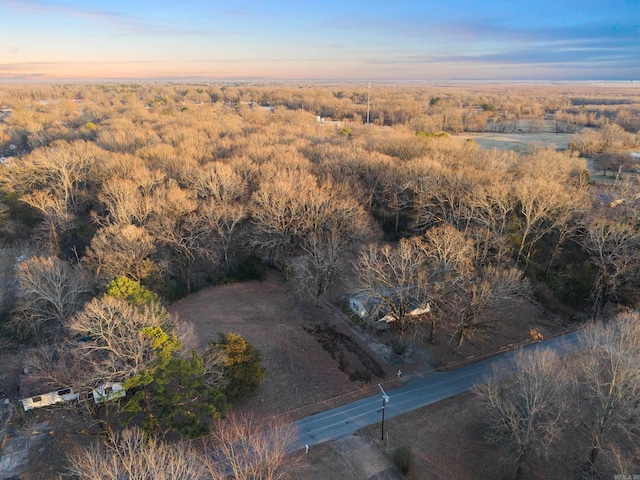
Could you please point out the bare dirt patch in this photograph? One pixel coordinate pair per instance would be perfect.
(346, 351)
(352, 458)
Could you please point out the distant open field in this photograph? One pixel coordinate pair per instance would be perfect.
(520, 142)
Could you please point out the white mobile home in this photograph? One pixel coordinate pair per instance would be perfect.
(47, 399)
(108, 391)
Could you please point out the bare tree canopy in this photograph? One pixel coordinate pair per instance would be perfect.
(608, 375)
(245, 448)
(50, 291)
(526, 405)
(132, 454)
(392, 280)
(121, 250)
(114, 346)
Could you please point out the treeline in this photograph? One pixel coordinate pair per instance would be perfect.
(453, 109)
(178, 198)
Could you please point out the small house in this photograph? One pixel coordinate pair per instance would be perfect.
(378, 313)
(356, 305)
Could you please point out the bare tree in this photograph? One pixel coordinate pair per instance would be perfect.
(56, 220)
(278, 214)
(550, 190)
(132, 454)
(392, 194)
(56, 181)
(526, 406)
(125, 201)
(448, 264)
(472, 300)
(50, 291)
(121, 250)
(445, 195)
(245, 448)
(114, 345)
(240, 447)
(177, 230)
(542, 205)
(290, 208)
(392, 279)
(221, 183)
(335, 224)
(608, 375)
(316, 271)
(494, 209)
(461, 291)
(612, 243)
(223, 224)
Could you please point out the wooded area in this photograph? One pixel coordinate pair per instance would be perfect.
(116, 200)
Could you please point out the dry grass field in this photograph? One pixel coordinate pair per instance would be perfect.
(302, 377)
(447, 441)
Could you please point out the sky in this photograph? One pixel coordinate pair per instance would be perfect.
(376, 40)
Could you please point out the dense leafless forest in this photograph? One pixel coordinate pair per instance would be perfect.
(173, 186)
(177, 187)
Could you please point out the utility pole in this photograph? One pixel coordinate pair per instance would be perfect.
(385, 402)
(368, 102)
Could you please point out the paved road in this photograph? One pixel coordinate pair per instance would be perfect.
(343, 421)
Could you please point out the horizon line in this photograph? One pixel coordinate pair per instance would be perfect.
(263, 79)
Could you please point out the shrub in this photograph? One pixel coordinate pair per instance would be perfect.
(398, 346)
(243, 372)
(403, 459)
(360, 376)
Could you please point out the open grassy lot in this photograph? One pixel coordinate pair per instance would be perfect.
(521, 142)
(447, 441)
(308, 352)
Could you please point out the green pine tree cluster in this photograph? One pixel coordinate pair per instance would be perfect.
(175, 393)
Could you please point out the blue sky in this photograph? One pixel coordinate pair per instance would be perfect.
(329, 40)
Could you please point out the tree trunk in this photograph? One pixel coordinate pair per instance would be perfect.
(432, 329)
(597, 291)
(459, 341)
(593, 455)
(520, 467)
(553, 256)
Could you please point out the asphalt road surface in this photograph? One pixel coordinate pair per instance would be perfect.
(343, 421)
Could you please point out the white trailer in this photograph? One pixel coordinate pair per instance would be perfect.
(108, 391)
(46, 399)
